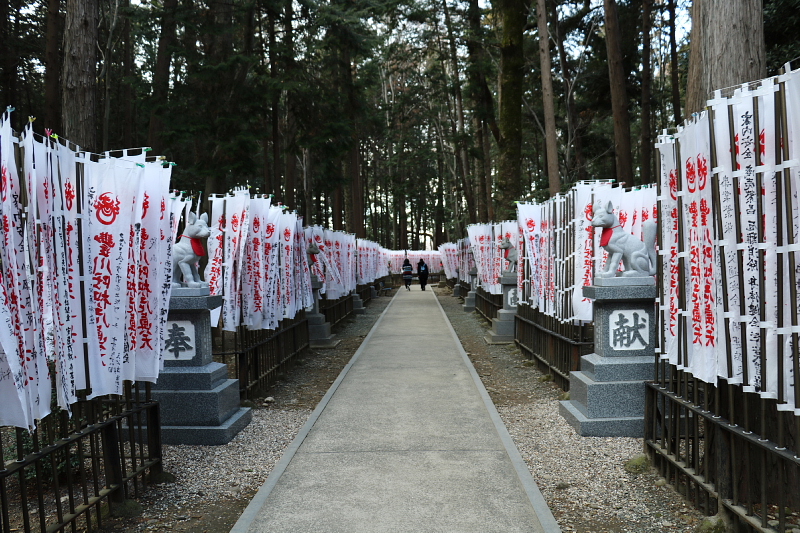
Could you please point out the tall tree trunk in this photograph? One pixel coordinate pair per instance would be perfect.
(483, 104)
(553, 177)
(9, 59)
(127, 82)
(290, 130)
(461, 139)
(52, 62)
(647, 75)
(353, 157)
(274, 180)
(619, 97)
(673, 64)
(166, 42)
(337, 208)
(307, 187)
(727, 48)
(481, 199)
(79, 78)
(513, 15)
(487, 169)
(112, 19)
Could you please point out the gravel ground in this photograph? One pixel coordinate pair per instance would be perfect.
(583, 479)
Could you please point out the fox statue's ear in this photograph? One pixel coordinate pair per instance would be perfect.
(610, 207)
(204, 217)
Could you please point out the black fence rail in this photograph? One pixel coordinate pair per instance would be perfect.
(463, 288)
(336, 310)
(364, 292)
(725, 450)
(556, 347)
(256, 358)
(487, 304)
(69, 472)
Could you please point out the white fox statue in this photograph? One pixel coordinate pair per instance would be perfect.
(638, 258)
(188, 251)
(511, 255)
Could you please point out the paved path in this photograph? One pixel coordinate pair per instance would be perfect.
(406, 440)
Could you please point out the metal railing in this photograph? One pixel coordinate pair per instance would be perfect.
(365, 292)
(487, 304)
(463, 287)
(725, 450)
(256, 358)
(336, 310)
(66, 473)
(556, 347)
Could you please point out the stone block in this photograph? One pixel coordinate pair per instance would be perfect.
(493, 338)
(619, 293)
(199, 407)
(469, 302)
(601, 427)
(618, 368)
(319, 331)
(624, 328)
(191, 377)
(624, 281)
(607, 399)
(503, 327)
(205, 435)
(315, 319)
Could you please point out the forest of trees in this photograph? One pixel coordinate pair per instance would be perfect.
(401, 121)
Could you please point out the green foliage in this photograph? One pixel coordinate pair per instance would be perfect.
(257, 89)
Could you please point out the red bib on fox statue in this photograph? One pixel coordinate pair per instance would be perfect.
(638, 258)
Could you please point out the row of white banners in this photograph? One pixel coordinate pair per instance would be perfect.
(731, 269)
(558, 250)
(87, 265)
(87, 269)
(730, 231)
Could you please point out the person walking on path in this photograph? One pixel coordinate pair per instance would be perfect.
(407, 269)
(422, 273)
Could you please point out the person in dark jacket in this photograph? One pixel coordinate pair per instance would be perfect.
(407, 273)
(422, 273)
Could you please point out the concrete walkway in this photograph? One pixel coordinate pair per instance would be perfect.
(406, 440)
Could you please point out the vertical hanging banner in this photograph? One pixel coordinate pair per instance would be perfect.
(749, 230)
(108, 213)
(16, 374)
(286, 238)
(729, 358)
(529, 216)
(669, 303)
(254, 281)
(153, 191)
(40, 266)
(767, 178)
(272, 300)
(216, 250)
(584, 250)
(235, 213)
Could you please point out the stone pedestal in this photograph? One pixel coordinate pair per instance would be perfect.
(503, 327)
(469, 299)
(199, 404)
(319, 331)
(457, 288)
(358, 304)
(607, 394)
